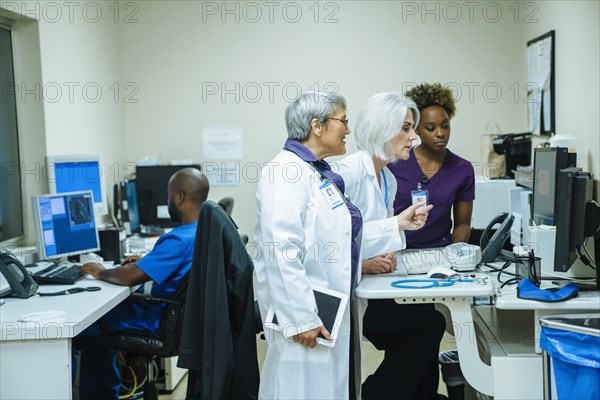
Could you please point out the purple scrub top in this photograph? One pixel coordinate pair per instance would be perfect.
(455, 181)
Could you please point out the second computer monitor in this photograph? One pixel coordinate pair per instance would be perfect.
(151, 184)
(64, 224)
(69, 173)
(574, 192)
(132, 206)
(547, 163)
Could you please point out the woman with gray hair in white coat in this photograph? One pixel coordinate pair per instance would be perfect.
(409, 334)
(308, 232)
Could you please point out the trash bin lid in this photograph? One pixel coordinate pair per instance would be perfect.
(587, 324)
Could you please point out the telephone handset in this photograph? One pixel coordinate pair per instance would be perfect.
(491, 248)
(14, 278)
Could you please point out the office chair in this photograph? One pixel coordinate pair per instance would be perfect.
(150, 345)
(218, 343)
(226, 204)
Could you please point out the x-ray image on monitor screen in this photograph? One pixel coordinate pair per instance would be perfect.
(65, 224)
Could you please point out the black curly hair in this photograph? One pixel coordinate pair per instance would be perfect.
(433, 94)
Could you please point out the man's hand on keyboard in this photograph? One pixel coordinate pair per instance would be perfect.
(380, 264)
(414, 217)
(131, 259)
(94, 269)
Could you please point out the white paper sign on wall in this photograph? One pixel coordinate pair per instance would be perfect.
(222, 143)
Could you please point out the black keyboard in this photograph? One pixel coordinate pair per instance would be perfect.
(66, 274)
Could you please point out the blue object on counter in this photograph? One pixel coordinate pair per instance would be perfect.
(528, 291)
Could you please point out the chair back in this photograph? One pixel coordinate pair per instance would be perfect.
(171, 322)
(164, 343)
(226, 204)
(218, 343)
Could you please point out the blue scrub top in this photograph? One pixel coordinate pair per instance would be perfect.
(167, 264)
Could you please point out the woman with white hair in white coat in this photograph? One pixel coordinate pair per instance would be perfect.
(409, 334)
(307, 235)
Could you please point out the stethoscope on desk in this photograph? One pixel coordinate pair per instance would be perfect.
(428, 283)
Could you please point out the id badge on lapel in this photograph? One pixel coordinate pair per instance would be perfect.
(331, 194)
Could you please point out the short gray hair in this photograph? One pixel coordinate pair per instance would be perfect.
(380, 120)
(308, 106)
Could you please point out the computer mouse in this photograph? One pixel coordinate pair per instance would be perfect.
(441, 273)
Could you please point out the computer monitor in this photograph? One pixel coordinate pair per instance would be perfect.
(70, 173)
(572, 196)
(65, 225)
(151, 185)
(577, 219)
(132, 206)
(547, 162)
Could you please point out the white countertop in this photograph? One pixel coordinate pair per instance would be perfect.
(82, 309)
(379, 287)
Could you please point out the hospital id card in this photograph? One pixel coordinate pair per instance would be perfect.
(420, 196)
(331, 194)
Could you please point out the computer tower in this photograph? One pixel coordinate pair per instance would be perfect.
(112, 243)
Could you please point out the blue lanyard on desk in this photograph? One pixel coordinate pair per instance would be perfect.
(386, 189)
(431, 283)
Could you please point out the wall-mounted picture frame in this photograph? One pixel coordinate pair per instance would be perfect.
(540, 82)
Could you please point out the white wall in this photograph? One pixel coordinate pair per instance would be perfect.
(81, 78)
(67, 63)
(577, 77)
(162, 54)
(178, 48)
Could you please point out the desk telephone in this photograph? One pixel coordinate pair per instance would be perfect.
(492, 247)
(14, 279)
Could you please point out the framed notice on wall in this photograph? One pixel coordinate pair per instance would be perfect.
(540, 82)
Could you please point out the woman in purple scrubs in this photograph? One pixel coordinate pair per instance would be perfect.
(448, 178)
(450, 183)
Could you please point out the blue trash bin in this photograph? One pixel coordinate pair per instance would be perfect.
(572, 343)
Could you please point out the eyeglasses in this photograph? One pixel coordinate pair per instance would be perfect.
(343, 121)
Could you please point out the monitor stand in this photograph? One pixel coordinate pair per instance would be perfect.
(590, 284)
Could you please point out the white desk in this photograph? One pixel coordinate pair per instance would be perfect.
(585, 303)
(505, 335)
(35, 359)
(508, 334)
(457, 299)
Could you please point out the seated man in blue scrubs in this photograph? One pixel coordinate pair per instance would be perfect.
(160, 273)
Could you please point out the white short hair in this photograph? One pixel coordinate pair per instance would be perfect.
(380, 120)
(319, 104)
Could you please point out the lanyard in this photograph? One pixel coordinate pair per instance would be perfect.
(325, 178)
(386, 189)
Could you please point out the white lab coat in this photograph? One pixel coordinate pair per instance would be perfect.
(380, 228)
(300, 240)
